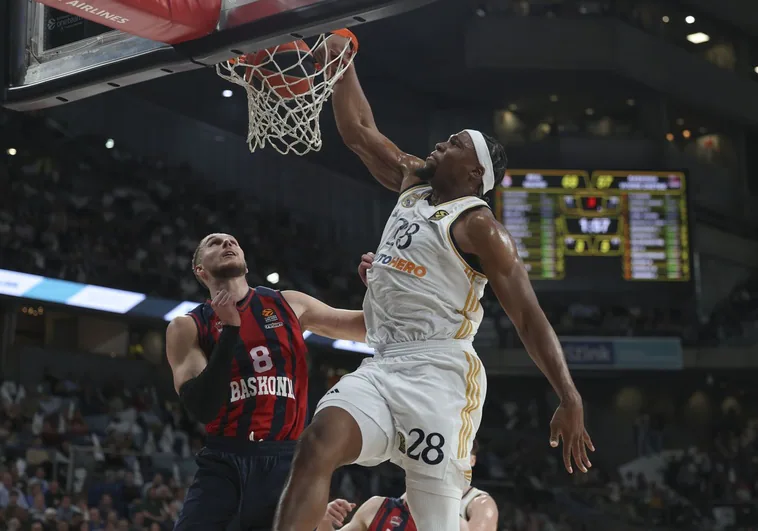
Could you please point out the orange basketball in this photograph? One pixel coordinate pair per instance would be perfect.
(287, 69)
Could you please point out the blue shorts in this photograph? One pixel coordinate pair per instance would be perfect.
(237, 485)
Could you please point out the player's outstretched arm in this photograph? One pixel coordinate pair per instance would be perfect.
(203, 385)
(324, 320)
(482, 514)
(389, 165)
(479, 233)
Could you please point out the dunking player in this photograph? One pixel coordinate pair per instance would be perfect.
(239, 365)
(418, 401)
(478, 512)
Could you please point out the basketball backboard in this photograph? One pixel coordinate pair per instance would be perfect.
(56, 55)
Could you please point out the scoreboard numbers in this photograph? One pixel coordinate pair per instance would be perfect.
(638, 219)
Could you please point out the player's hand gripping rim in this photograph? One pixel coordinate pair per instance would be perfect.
(337, 511)
(332, 47)
(367, 260)
(567, 425)
(226, 308)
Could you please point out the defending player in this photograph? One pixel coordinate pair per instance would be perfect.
(377, 514)
(418, 401)
(239, 365)
(478, 512)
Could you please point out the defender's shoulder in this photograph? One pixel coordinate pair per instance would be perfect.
(182, 325)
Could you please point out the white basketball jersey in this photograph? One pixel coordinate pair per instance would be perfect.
(472, 494)
(419, 287)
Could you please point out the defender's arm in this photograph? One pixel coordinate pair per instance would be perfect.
(202, 385)
(324, 320)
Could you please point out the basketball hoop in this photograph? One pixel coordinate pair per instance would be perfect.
(286, 90)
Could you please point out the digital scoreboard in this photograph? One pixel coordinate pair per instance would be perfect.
(608, 225)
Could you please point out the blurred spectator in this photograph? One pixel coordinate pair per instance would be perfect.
(58, 209)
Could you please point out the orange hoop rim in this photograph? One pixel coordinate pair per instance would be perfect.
(344, 32)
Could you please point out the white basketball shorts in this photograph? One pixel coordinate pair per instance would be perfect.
(418, 404)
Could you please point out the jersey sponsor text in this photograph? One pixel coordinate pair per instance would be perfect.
(401, 264)
(261, 385)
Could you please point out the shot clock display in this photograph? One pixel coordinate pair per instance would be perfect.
(631, 226)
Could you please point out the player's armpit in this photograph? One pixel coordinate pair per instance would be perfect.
(464, 525)
(389, 165)
(482, 514)
(324, 320)
(479, 233)
(183, 351)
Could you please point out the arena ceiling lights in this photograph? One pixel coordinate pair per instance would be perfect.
(24, 286)
(698, 37)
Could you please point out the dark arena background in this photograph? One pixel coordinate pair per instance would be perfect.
(631, 128)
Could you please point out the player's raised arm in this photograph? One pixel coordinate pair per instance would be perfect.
(203, 385)
(391, 166)
(324, 320)
(479, 233)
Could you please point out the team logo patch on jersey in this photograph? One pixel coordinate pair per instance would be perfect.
(396, 521)
(269, 315)
(411, 200)
(401, 443)
(219, 325)
(438, 215)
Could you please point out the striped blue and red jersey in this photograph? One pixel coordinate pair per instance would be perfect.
(268, 384)
(393, 515)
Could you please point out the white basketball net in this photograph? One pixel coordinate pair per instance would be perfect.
(289, 124)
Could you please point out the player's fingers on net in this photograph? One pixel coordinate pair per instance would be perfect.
(319, 53)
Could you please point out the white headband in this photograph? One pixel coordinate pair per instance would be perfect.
(483, 154)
